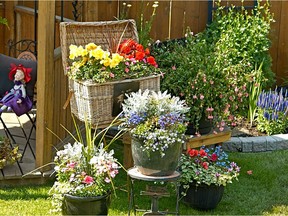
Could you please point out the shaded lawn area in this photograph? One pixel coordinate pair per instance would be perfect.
(264, 192)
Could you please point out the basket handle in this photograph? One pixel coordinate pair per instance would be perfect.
(68, 99)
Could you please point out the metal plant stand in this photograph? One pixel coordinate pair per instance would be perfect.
(154, 192)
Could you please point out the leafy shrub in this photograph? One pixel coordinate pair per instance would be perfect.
(212, 70)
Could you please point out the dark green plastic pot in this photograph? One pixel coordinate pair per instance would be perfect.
(74, 205)
(203, 197)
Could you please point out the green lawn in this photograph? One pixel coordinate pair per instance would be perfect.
(265, 192)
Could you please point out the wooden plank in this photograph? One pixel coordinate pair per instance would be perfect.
(282, 63)
(209, 139)
(9, 15)
(45, 86)
(2, 27)
(276, 7)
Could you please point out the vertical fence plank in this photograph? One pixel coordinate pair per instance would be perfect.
(45, 87)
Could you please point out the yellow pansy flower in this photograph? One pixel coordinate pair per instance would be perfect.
(90, 46)
(73, 51)
(106, 62)
(97, 53)
(116, 59)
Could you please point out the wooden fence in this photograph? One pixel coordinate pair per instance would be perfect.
(171, 20)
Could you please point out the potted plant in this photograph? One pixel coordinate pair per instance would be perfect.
(8, 155)
(157, 124)
(204, 173)
(84, 174)
(98, 76)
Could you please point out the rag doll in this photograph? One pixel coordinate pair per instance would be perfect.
(17, 99)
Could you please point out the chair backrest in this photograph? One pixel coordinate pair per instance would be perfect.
(6, 84)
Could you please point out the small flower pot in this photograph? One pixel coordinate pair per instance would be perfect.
(203, 197)
(205, 127)
(74, 205)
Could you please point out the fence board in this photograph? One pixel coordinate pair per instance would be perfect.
(281, 61)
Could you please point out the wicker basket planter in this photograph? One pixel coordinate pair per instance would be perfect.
(101, 103)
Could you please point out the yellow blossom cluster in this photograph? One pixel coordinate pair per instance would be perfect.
(93, 52)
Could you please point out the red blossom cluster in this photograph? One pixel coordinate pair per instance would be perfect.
(201, 157)
(130, 49)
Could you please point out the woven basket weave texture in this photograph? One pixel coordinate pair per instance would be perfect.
(94, 102)
(91, 101)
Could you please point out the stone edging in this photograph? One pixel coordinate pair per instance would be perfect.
(257, 144)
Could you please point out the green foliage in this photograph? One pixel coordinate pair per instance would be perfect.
(207, 166)
(8, 155)
(272, 111)
(4, 21)
(212, 69)
(255, 88)
(144, 26)
(272, 126)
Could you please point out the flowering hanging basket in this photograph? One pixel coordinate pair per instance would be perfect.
(101, 103)
(104, 62)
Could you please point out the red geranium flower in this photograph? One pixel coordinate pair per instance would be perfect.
(205, 165)
(139, 56)
(193, 152)
(214, 157)
(202, 153)
(151, 61)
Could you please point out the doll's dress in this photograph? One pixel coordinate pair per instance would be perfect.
(10, 100)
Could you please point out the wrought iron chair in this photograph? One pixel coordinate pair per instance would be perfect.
(27, 59)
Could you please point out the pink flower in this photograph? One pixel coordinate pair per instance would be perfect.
(209, 109)
(210, 117)
(221, 128)
(88, 180)
(127, 70)
(71, 165)
(201, 97)
(195, 97)
(111, 75)
(173, 67)
(231, 98)
(107, 180)
(211, 82)
(249, 172)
